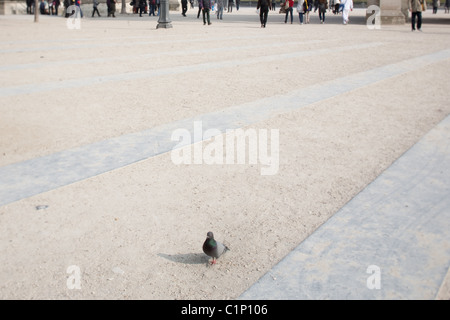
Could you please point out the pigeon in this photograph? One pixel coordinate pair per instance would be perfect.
(213, 248)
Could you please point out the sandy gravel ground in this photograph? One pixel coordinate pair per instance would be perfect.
(136, 232)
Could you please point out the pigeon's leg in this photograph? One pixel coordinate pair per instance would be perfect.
(213, 261)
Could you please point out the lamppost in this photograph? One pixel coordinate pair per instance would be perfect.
(164, 19)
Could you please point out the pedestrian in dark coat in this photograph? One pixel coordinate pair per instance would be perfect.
(206, 7)
(230, 6)
(199, 8)
(184, 7)
(142, 4)
(263, 6)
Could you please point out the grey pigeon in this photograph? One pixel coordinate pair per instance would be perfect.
(213, 248)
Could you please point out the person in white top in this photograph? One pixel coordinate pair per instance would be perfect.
(348, 6)
(300, 10)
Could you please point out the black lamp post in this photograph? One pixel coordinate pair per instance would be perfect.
(164, 19)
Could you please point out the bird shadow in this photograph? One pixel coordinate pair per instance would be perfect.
(186, 258)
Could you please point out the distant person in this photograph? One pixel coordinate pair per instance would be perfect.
(230, 6)
(199, 8)
(66, 4)
(274, 3)
(347, 7)
(300, 10)
(50, 8)
(289, 6)
(57, 4)
(95, 8)
(416, 7)
(263, 6)
(206, 7)
(152, 7)
(238, 3)
(142, 4)
(436, 5)
(184, 7)
(29, 6)
(78, 4)
(43, 7)
(53, 7)
(323, 6)
(447, 6)
(111, 8)
(337, 4)
(307, 7)
(220, 5)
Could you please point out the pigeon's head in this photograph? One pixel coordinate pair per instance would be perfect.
(210, 235)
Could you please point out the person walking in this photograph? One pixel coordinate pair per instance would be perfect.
(306, 10)
(199, 8)
(436, 5)
(184, 7)
(152, 6)
(417, 7)
(50, 8)
(238, 4)
(300, 10)
(113, 8)
(220, 5)
(78, 4)
(230, 6)
(289, 5)
(66, 4)
(274, 3)
(337, 3)
(94, 8)
(347, 7)
(447, 6)
(206, 7)
(263, 6)
(56, 4)
(29, 6)
(142, 4)
(323, 6)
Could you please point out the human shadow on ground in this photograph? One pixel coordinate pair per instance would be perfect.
(186, 258)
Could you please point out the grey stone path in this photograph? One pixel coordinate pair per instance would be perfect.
(391, 241)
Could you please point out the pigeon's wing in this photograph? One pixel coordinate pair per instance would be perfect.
(221, 248)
